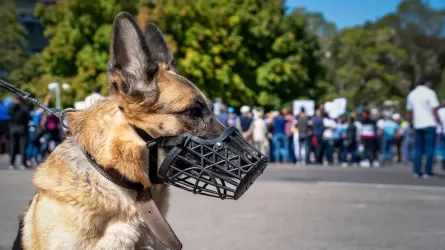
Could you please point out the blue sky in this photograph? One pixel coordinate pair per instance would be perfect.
(346, 13)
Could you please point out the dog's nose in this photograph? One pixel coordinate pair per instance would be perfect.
(213, 129)
(216, 126)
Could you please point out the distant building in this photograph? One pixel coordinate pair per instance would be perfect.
(25, 10)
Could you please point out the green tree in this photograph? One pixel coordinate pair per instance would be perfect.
(247, 52)
(294, 69)
(29, 76)
(366, 64)
(419, 30)
(12, 40)
(79, 34)
(327, 34)
(319, 25)
(385, 59)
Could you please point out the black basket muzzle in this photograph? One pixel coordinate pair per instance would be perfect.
(223, 167)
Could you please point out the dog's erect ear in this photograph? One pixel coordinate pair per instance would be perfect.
(131, 68)
(158, 47)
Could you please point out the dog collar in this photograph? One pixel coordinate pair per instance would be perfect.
(113, 175)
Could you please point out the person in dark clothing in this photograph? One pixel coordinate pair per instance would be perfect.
(52, 133)
(289, 134)
(303, 136)
(368, 136)
(4, 128)
(18, 131)
(244, 121)
(280, 140)
(318, 128)
(350, 143)
(312, 144)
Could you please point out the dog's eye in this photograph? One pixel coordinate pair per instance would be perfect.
(194, 112)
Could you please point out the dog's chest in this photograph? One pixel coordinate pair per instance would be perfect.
(127, 235)
(126, 228)
(123, 228)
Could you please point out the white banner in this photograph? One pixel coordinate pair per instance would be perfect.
(329, 108)
(308, 105)
(336, 108)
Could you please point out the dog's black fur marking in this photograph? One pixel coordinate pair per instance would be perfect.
(18, 239)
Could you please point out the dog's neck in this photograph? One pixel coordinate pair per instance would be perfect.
(105, 134)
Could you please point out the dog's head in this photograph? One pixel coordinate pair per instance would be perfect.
(147, 87)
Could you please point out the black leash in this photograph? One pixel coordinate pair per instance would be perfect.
(27, 97)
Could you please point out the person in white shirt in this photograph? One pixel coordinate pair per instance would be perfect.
(94, 98)
(380, 122)
(328, 139)
(422, 106)
(358, 127)
(259, 134)
(255, 112)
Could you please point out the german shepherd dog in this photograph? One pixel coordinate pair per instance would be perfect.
(76, 207)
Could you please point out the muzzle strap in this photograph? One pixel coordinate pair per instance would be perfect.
(155, 221)
(152, 145)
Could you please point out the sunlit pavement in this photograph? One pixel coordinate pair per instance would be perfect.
(290, 207)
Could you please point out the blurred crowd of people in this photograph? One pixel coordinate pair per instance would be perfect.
(366, 139)
(29, 132)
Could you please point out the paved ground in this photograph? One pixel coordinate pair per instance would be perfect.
(312, 208)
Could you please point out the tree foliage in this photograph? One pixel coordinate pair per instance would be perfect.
(12, 39)
(366, 61)
(78, 49)
(383, 60)
(246, 52)
(419, 30)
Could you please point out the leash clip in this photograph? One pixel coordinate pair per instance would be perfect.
(62, 115)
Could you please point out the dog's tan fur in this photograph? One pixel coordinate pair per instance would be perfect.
(76, 207)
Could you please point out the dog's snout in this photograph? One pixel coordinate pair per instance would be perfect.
(216, 126)
(212, 128)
